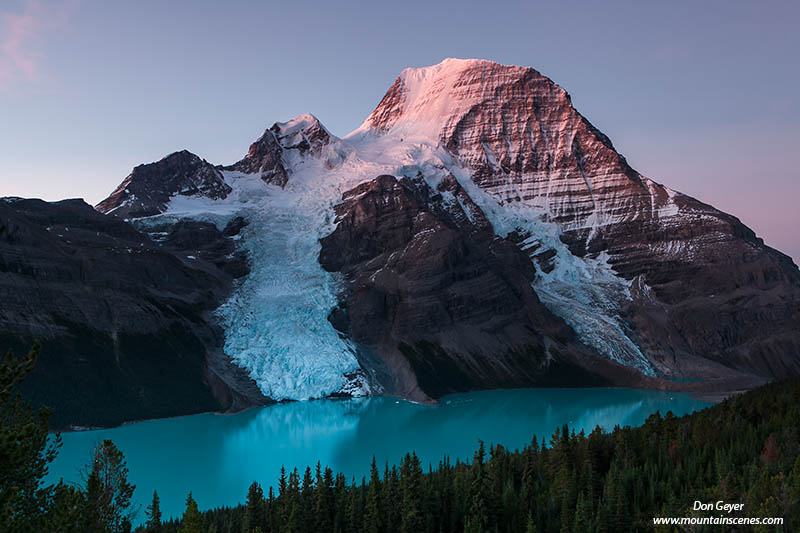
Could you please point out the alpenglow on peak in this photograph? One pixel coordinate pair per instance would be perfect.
(428, 101)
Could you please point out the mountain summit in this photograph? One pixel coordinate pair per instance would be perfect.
(432, 101)
(475, 231)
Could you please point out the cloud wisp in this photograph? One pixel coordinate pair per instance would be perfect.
(22, 36)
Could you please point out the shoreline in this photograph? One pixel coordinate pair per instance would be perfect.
(708, 396)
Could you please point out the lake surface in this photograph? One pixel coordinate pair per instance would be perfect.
(217, 457)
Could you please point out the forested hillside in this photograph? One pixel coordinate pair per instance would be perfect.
(745, 450)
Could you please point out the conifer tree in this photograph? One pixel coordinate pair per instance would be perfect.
(354, 509)
(582, 521)
(108, 493)
(192, 521)
(25, 450)
(283, 509)
(323, 512)
(154, 514)
(271, 506)
(308, 483)
(254, 509)
(478, 516)
(372, 512)
(411, 477)
(93, 515)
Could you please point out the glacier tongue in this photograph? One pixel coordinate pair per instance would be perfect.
(276, 321)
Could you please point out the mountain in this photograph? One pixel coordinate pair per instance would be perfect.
(265, 157)
(148, 189)
(681, 279)
(475, 231)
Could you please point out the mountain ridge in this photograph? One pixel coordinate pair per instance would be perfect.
(387, 261)
(515, 134)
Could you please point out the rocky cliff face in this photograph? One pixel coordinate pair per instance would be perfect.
(521, 139)
(438, 298)
(123, 320)
(267, 155)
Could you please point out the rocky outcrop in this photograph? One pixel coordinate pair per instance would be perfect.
(203, 241)
(148, 189)
(438, 299)
(304, 133)
(122, 319)
(267, 155)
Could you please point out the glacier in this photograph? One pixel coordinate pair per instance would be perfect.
(275, 321)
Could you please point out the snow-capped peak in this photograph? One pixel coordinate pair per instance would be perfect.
(299, 124)
(424, 101)
(304, 132)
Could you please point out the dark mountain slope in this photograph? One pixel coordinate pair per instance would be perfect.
(122, 320)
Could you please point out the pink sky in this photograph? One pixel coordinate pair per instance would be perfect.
(22, 36)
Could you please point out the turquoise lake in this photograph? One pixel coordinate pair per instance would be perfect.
(217, 457)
